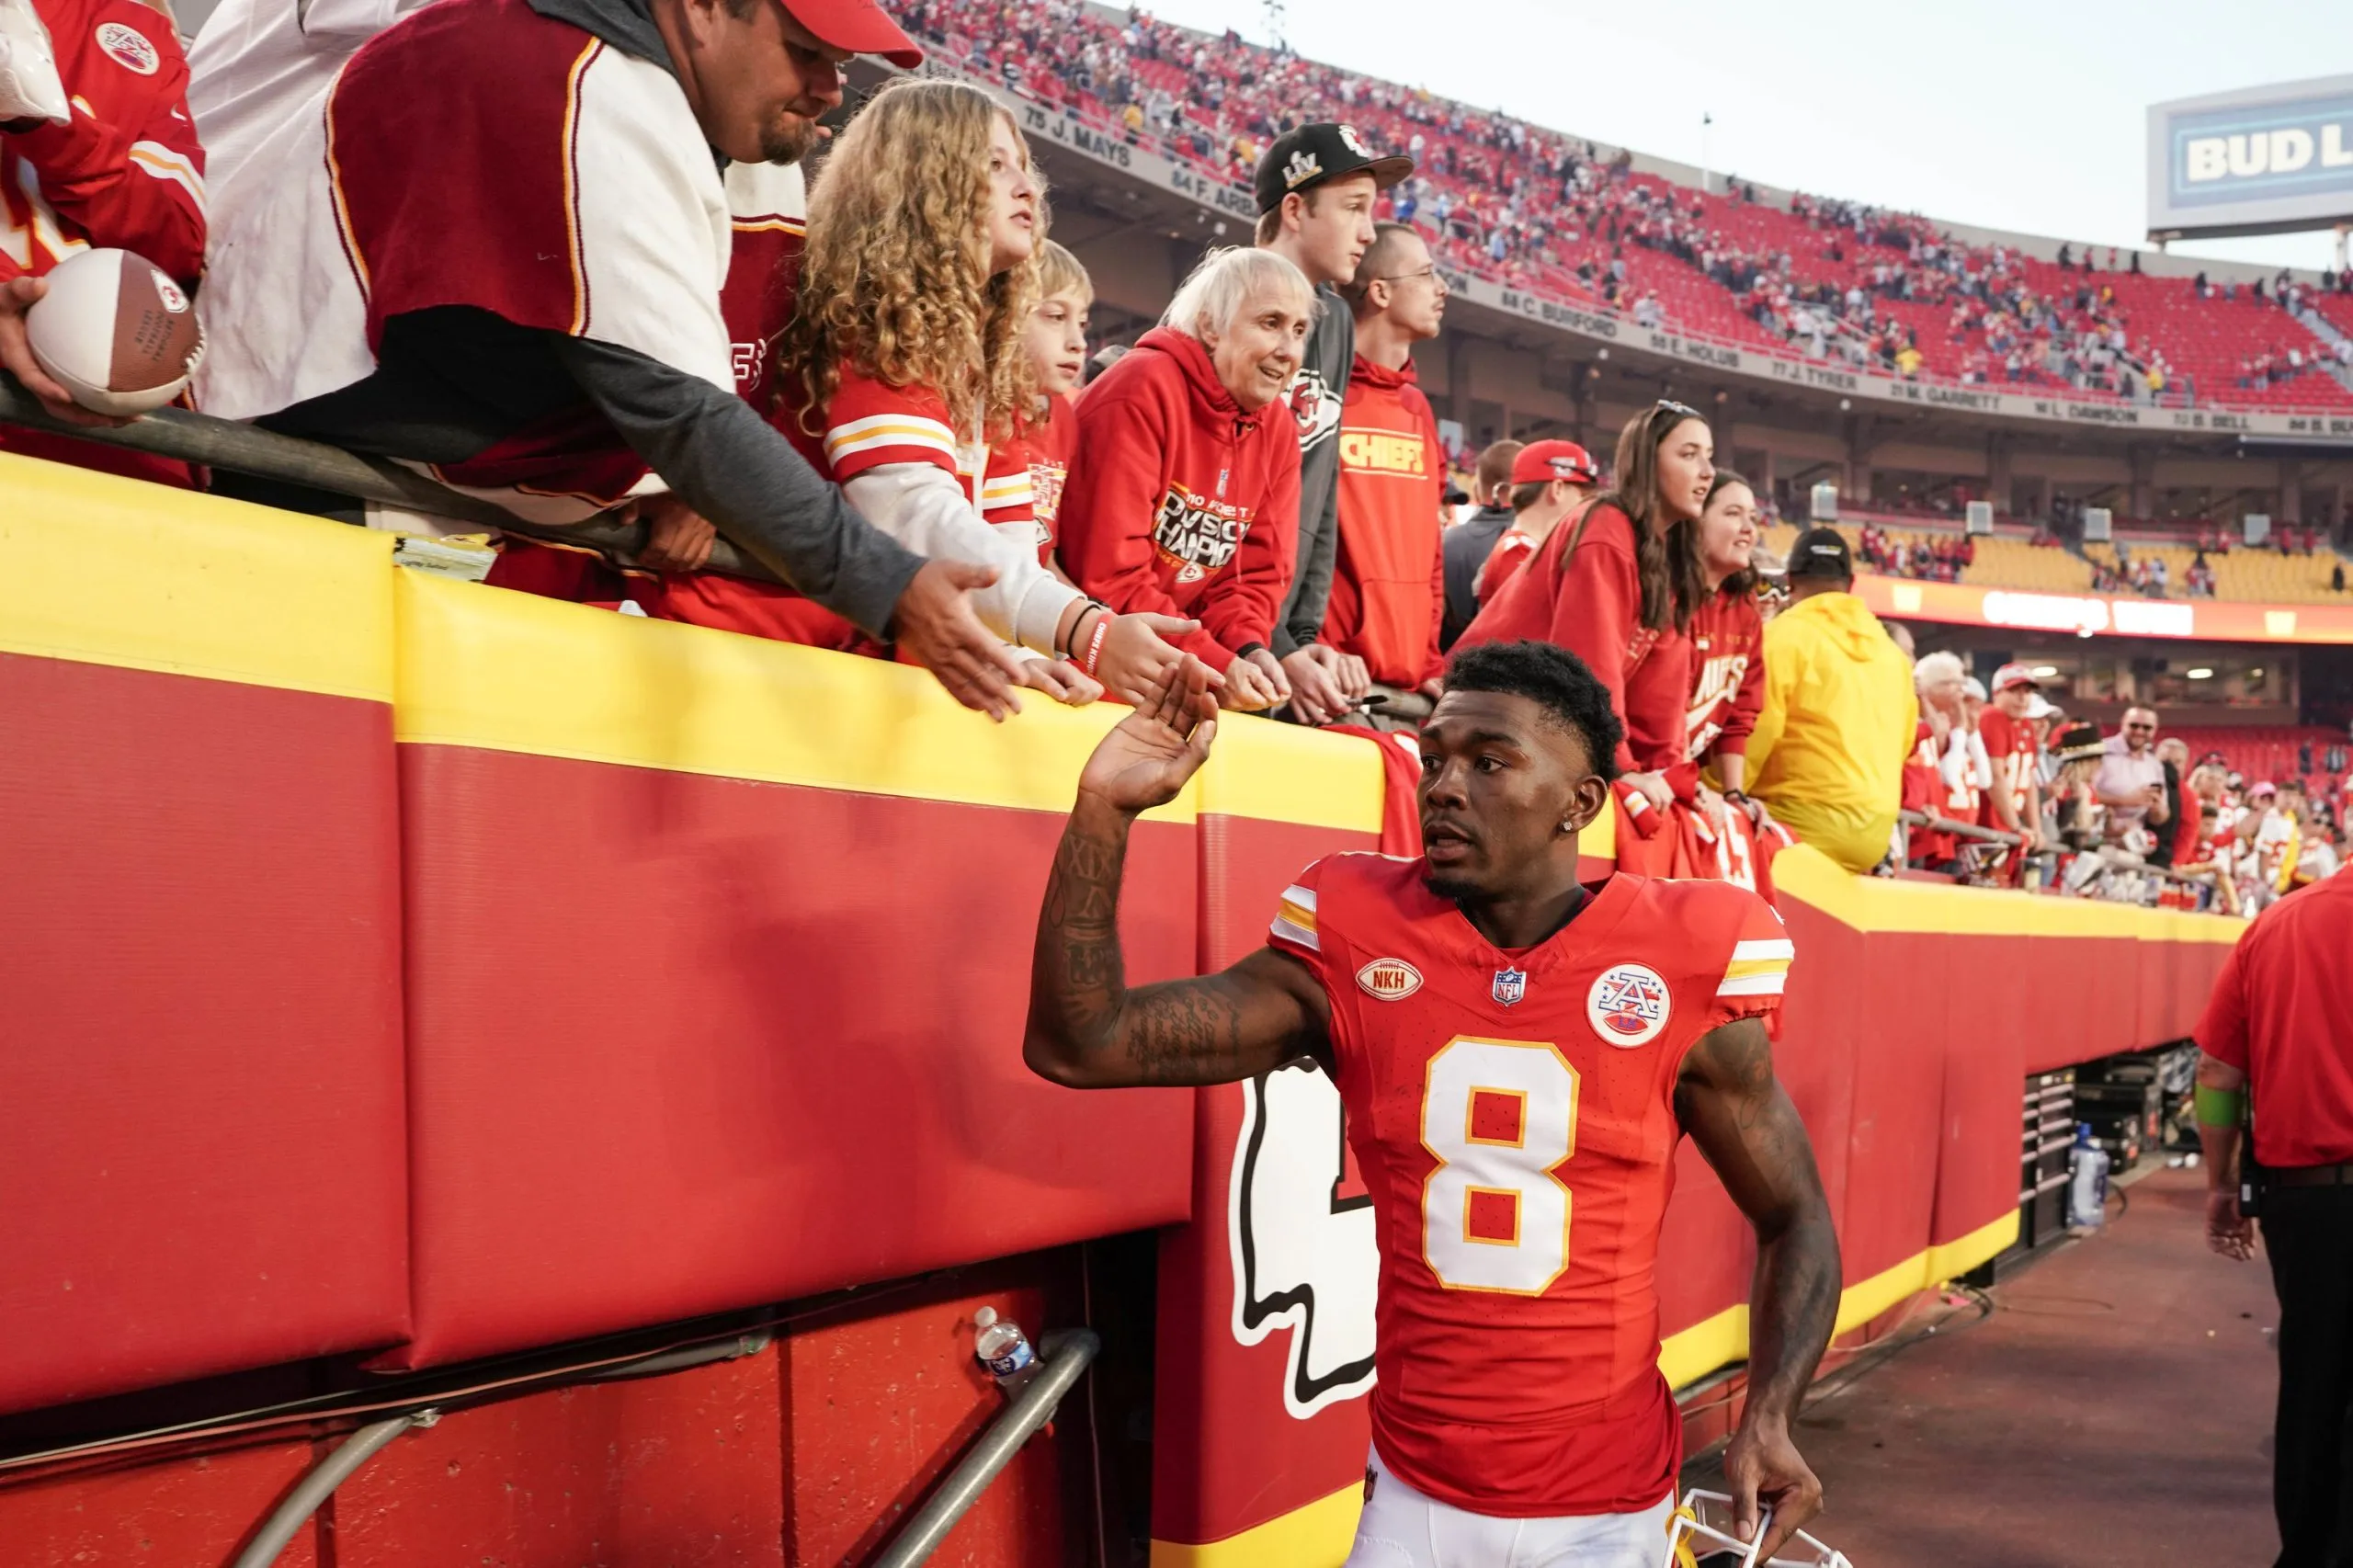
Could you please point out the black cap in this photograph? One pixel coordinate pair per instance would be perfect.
(1307, 156)
(1821, 552)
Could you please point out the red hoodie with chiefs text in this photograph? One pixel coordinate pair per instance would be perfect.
(1179, 501)
(1389, 582)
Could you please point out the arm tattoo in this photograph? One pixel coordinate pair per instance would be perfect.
(1088, 1027)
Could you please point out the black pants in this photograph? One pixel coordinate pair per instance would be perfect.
(2308, 1236)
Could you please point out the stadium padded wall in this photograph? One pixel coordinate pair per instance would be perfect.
(201, 1124)
(394, 964)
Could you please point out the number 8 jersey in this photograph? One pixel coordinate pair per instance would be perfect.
(1513, 1116)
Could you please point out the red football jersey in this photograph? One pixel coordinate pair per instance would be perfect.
(1052, 443)
(2009, 744)
(1727, 676)
(1513, 1117)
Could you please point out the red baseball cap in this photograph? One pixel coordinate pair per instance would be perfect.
(860, 25)
(1539, 462)
(2009, 676)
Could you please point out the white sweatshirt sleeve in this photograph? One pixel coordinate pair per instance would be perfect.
(926, 509)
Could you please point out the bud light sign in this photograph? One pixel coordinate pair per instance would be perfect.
(2265, 160)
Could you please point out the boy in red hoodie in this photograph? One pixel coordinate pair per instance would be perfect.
(1389, 580)
(1184, 498)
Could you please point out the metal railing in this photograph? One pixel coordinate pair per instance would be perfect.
(190, 438)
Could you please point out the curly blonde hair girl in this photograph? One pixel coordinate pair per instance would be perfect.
(894, 281)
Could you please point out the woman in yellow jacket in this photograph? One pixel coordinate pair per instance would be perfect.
(1840, 713)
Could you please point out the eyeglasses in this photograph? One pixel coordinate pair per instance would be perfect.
(1668, 406)
(1430, 273)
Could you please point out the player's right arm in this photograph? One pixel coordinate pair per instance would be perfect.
(1087, 1029)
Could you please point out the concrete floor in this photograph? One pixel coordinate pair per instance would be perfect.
(2115, 1409)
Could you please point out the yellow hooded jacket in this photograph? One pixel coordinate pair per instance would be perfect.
(1827, 755)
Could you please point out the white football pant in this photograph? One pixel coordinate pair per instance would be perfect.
(1404, 1529)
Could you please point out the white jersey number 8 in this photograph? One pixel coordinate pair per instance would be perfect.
(1497, 1115)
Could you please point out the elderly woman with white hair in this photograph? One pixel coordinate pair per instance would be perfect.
(1184, 496)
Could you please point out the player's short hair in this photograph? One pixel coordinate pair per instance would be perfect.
(1555, 681)
(1059, 272)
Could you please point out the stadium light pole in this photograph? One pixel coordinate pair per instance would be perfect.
(1707, 186)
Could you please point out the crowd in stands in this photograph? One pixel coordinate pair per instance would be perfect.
(878, 395)
(2124, 814)
(1535, 208)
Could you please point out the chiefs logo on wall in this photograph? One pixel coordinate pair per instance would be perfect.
(1300, 1227)
(1197, 534)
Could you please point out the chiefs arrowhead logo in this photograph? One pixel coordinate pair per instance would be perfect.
(1299, 1228)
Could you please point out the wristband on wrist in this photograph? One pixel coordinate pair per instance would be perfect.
(1095, 644)
(1249, 648)
(2218, 1108)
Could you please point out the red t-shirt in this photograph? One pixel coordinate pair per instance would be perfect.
(1053, 443)
(2282, 1014)
(1511, 551)
(1513, 1116)
(2009, 746)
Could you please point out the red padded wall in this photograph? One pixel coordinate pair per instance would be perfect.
(1226, 1453)
(681, 1043)
(200, 1104)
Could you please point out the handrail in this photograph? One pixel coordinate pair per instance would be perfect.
(1936, 824)
(286, 1520)
(188, 436)
(1067, 1355)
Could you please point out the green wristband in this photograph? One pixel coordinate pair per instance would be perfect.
(2218, 1108)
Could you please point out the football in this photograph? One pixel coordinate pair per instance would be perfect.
(116, 332)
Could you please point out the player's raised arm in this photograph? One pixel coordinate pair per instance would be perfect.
(1738, 1114)
(1086, 1029)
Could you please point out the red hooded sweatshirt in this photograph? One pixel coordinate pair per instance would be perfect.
(1389, 582)
(1727, 676)
(1178, 503)
(1593, 609)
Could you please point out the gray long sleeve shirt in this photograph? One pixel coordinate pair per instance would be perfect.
(1316, 395)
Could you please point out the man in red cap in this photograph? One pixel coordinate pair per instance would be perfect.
(495, 250)
(2015, 803)
(1550, 480)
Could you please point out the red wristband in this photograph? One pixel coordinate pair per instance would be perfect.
(1095, 644)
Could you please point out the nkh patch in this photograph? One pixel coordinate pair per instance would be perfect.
(1390, 980)
(1628, 1005)
(1511, 985)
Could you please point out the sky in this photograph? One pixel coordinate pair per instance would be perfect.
(2026, 114)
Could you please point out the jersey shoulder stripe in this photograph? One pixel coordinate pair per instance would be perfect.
(1294, 919)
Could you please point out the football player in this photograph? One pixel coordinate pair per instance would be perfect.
(1520, 1055)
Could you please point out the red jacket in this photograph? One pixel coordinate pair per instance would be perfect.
(1593, 609)
(1179, 503)
(126, 172)
(1727, 677)
(1389, 581)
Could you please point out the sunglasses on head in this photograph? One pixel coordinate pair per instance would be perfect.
(1681, 410)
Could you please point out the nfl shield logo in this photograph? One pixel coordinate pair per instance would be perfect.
(1511, 985)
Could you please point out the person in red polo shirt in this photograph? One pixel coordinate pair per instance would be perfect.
(1389, 579)
(2277, 1032)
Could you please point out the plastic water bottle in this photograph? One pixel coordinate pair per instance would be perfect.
(2087, 1185)
(1003, 1350)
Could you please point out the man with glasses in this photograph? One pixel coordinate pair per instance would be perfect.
(2132, 779)
(1388, 577)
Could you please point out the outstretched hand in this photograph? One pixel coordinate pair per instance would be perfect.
(1149, 754)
